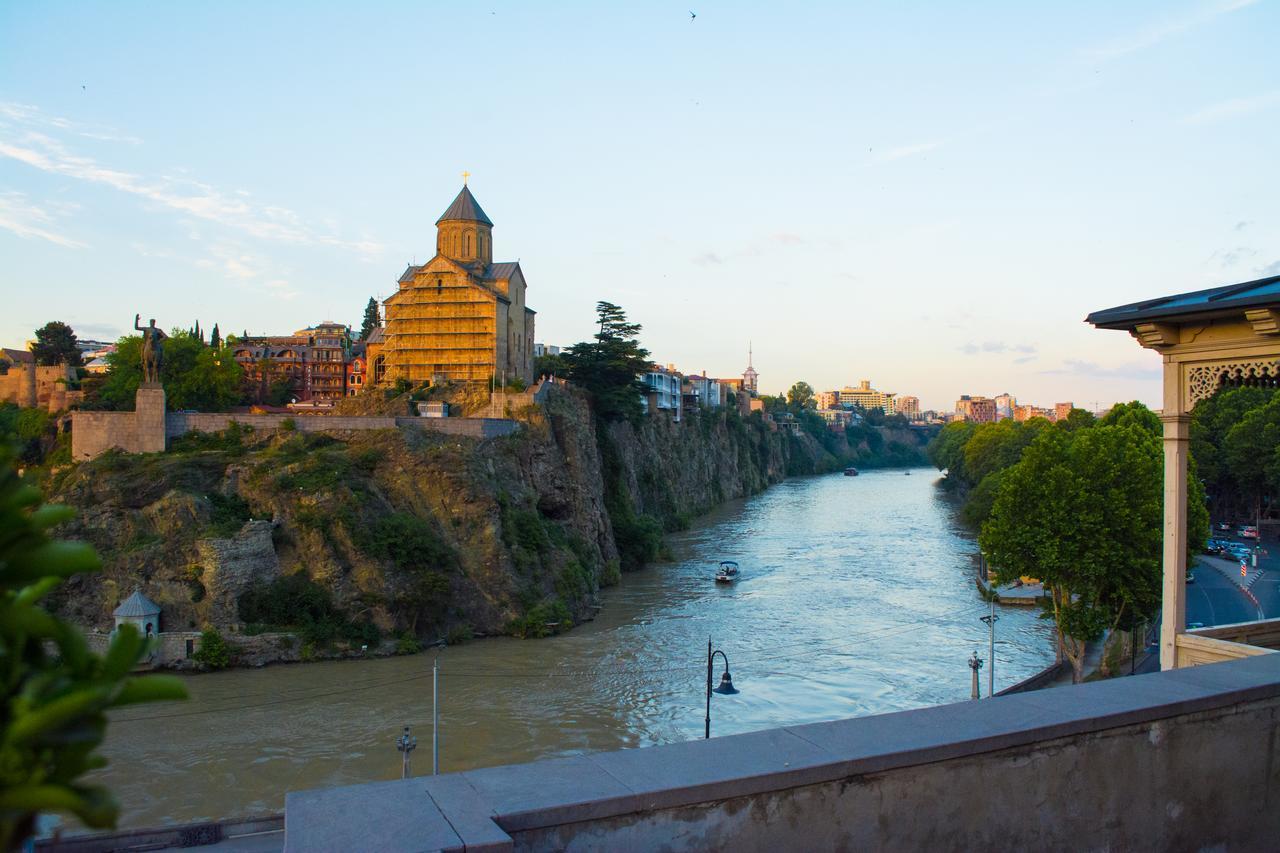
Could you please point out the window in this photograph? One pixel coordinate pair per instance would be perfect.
(467, 243)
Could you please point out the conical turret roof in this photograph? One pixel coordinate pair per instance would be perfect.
(465, 207)
(137, 605)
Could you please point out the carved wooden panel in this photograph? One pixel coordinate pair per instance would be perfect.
(1204, 380)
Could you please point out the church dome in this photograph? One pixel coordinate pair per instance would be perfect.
(465, 208)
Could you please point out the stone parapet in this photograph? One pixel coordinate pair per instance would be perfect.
(1055, 770)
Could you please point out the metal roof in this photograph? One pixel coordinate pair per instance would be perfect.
(500, 271)
(376, 336)
(137, 605)
(1231, 297)
(465, 207)
(408, 274)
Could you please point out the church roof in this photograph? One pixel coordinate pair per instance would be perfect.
(465, 207)
(376, 336)
(408, 274)
(19, 356)
(501, 271)
(1237, 297)
(137, 605)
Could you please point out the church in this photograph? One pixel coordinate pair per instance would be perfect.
(460, 316)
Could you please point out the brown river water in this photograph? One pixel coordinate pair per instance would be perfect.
(856, 597)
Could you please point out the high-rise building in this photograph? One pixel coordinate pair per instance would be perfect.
(979, 410)
(1062, 410)
(826, 400)
(866, 397)
(1005, 404)
(908, 406)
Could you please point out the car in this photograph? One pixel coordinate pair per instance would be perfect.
(1247, 532)
(1222, 527)
(1191, 626)
(1191, 577)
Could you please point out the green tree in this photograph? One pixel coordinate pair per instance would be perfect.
(372, 319)
(609, 367)
(946, 451)
(56, 691)
(215, 337)
(1249, 450)
(801, 396)
(1083, 512)
(550, 365)
(196, 376)
(56, 344)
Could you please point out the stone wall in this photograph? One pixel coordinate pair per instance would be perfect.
(1178, 760)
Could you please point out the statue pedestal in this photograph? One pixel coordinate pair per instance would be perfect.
(148, 419)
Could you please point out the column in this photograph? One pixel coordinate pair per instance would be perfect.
(1177, 433)
(148, 419)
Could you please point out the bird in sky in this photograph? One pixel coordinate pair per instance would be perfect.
(692, 15)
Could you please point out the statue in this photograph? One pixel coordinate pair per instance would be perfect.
(152, 350)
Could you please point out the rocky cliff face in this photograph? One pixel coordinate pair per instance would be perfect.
(405, 531)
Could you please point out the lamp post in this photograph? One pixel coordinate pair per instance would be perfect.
(725, 688)
(406, 744)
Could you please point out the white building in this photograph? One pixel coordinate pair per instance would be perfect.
(539, 350)
(140, 612)
(705, 389)
(663, 388)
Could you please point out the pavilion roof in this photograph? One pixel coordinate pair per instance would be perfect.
(1224, 299)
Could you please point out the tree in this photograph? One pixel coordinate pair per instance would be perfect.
(608, 368)
(1083, 512)
(213, 652)
(56, 344)
(55, 690)
(1249, 450)
(946, 451)
(801, 396)
(215, 337)
(372, 319)
(550, 365)
(194, 376)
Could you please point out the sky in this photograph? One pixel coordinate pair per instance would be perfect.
(931, 196)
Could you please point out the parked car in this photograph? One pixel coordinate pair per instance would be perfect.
(1214, 546)
(1191, 577)
(1223, 527)
(1247, 532)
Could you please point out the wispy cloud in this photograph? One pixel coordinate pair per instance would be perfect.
(1269, 270)
(1242, 224)
(707, 259)
(1233, 108)
(30, 221)
(1166, 28)
(1093, 370)
(903, 151)
(1231, 257)
(234, 210)
(972, 348)
(31, 116)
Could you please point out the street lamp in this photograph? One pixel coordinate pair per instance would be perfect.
(724, 688)
(406, 743)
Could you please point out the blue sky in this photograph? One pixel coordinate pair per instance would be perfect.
(931, 196)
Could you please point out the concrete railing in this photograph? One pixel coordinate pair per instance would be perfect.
(257, 833)
(1041, 770)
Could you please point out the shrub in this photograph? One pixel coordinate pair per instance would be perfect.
(543, 620)
(407, 644)
(288, 425)
(459, 634)
(213, 652)
(410, 542)
(56, 691)
(230, 512)
(611, 574)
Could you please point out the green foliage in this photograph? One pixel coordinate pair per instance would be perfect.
(279, 392)
(288, 425)
(56, 691)
(407, 644)
(550, 365)
(801, 396)
(608, 368)
(543, 620)
(405, 539)
(213, 652)
(946, 451)
(27, 431)
(194, 376)
(372, 319)
(611, 574)
(229, 514)
(229, 440)
(459, 634)
(56, 344)
(296, 603)
(1082, 511)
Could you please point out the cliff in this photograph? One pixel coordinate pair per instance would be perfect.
(357, 536)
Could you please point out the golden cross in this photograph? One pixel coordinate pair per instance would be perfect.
(465, 175)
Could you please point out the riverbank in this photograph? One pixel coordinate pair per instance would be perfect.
(827, 622)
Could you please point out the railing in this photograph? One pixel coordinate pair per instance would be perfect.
(1227, 642)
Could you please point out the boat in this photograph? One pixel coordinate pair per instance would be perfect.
(728, 572)
(851, 472)
(908, 473)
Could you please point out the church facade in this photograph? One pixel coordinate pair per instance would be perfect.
(460, 316)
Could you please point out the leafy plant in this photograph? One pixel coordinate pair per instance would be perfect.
(213, 651)
(56, 691)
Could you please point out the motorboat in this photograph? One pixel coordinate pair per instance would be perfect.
(728, 572)
(851, 472)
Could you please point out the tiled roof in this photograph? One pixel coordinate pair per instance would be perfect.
(19, 356)
(137, 605)
(408, 274)
(376, 336)
(1249, 294)
(464, 207)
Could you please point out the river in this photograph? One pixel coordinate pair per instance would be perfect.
(856, 597)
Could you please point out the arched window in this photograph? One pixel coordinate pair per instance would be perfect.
(466, 242)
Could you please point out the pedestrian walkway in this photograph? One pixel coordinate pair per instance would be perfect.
(1092, 662)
